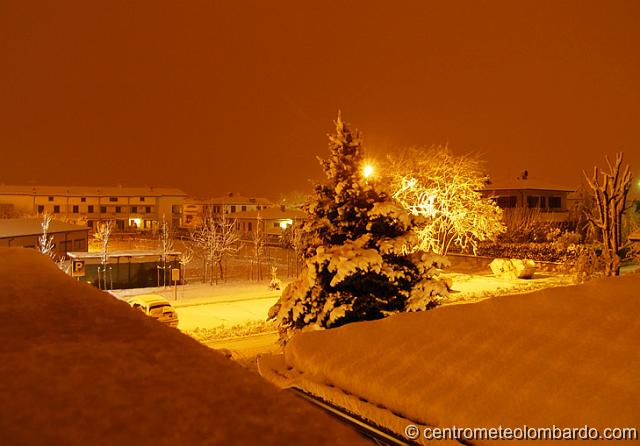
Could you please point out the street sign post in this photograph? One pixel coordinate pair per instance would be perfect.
(175, 277)
(78, 268)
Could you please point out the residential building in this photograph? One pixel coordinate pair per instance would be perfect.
(524, 193)
(194, 210)
(270, 221)
(25, 232)
(132, 208)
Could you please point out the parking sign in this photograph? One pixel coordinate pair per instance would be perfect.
(78, 268)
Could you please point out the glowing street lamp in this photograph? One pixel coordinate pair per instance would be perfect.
(367, 171)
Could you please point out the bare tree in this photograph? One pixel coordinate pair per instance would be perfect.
(292, 240)
(186, 258)
(229, 239)
(45, 241)
(166, 246)
(216, 239)
(610, 198)
(258, 249)
(443, 189)
(103, 234)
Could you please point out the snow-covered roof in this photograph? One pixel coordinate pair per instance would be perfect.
(565, 356)
(115, 254)
(232, 198)
(527, 184)
(19, 227)
(272, 213)
(80, 367)
(90, 191)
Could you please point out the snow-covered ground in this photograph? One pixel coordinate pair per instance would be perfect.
(79, 367)
(562, 356)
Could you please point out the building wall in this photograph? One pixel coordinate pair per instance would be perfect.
(129, 212)
(552, 204)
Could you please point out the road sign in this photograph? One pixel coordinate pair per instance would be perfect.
(175, 275)
(78, 268)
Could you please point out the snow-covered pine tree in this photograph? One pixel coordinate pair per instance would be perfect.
(359, 263)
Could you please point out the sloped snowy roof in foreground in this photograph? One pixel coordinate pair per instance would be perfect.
(78, 367)
(562, 356)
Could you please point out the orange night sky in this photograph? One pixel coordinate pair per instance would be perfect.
(214, 96)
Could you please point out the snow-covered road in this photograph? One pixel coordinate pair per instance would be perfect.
(213, 315)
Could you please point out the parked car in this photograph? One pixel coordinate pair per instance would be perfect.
(157, 307)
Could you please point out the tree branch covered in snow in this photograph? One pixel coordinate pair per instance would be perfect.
(216, 238)
(45, 241)
(359, 257)
(610, 198)
(443, 189)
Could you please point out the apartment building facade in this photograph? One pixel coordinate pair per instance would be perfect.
(132, 208)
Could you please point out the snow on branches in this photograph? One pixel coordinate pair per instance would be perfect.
(359, 262)
(610, 197)
(45, 241)
(443, 189)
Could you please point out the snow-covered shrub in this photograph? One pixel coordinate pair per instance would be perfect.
(275, 283)
(359, 262)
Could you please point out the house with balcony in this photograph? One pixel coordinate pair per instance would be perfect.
(271, 222)
(550, 200)
(195, 210)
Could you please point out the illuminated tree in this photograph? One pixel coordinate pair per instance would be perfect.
(610, 198)
(45, 241)
(103, 234)
(443, 189)
(359, 261)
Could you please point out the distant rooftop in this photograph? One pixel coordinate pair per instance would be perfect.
(19, 227)
(234, 198)
(272, 213)
(90, 191)
(528, 184)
